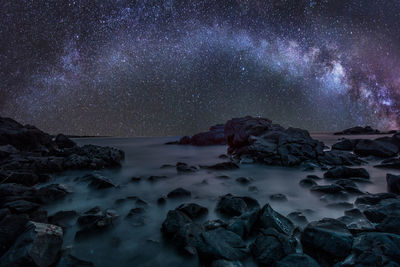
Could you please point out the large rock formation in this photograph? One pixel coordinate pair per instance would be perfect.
(215, 136)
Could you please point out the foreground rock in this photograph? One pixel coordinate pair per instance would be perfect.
(393, 183)
(39, 245)
(328, 241)
(235, 206)
(346, 172)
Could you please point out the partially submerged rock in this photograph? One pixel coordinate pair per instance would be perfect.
(393, 183)
(235, 206)
(269, 218)
(215, 136)
(179, 193)
(346, 172)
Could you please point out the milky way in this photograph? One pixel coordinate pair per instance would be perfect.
(175, 67)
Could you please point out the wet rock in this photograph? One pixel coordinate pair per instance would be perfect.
(269, 218)
(25, 178)
(21, 206)
(386, 208)
(132, 199)
(179, 193)
(314, 177)
(390, 224)
(339, 158)
(223, 166)
(307, 183)
(297, 260)
(235, 206)
(346, 172)
(328, 241)
(221, 244)
(63, 141)
(194, 211)
(243, 224)
(64, 219)
(357, 225)
(298, 218)
(174, 221)
(223, 156)
(156, 178)
(11, 227)
(243, 180)
(39, 245)
(278, 197)
(335, 197)
(136, 217)
(392, 163)
(95, 221)
(349, 186)
(346, 144)
(225, 263)
(393, 183)
(51, 193)
(373, 199)
(271, 246)
(374, 249)
(183, 167)
(327, 189)
(366, 147)
(98, 181)
(223, 177)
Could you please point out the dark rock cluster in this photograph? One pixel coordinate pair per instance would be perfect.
(215, 136)
(359, 130)
(28, 156)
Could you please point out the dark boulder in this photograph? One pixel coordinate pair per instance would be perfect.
(358, 130)
(194, 211)
(11, 227)
(235, 206)
(269, 218)
(297, 260)
(69, 260)
(184, 167)
(307, 182)
(221, 244)
(97, 181)
(393, 183)
(244, 224)
(327, 189)
(271, 246)
(98, 223)
(392, 163)
(25, 178)
(374, 249)
(373, 199)
(222, 166)
(39, 245)
(156, 178)
(179, 193)
(386, 208)
(174, 221)
(328, 241)
(278, 197)
(215, 136)
(51, 193)
(346, 172)
(346, 144)
(63, 141)
(21, 206)
(243, 180)
(366, 147)
(298, 218)
(390, 224)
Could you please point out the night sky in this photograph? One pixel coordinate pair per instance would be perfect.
(135, 68)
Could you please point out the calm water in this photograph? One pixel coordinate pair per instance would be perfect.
(129, 245)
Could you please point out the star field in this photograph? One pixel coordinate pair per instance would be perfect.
(136, 68)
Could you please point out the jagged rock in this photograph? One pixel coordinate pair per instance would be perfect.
(314, 177)
(384, 209)
(243, 224)
(97, 181)
(193, 210)
(214, 224)
(349, 186)
(374, 249)
(136, 217)
(346, 172)
(271, 246)
(64, 219)
(95, 221)
(174, 221)
(179, 193)
(390, 224)
(278, 197)
(63, 141)
(297, 260)
(373, 199)
(25, 178)
(161, 200)
(339, 158)
(327, 189)
(50, 193)
(235, 206)
(393, 183)
(307, 182)
(328, 241)
(137, 200)
(357, 224)
(39, 245)
(393, 163)
(366, 147)
(253, 189)
(271, 219)
(221, 244)
(135, 179)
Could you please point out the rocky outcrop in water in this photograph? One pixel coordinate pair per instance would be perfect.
(359, 130)
(215, 136)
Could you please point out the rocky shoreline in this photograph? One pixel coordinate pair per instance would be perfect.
(366, 235)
